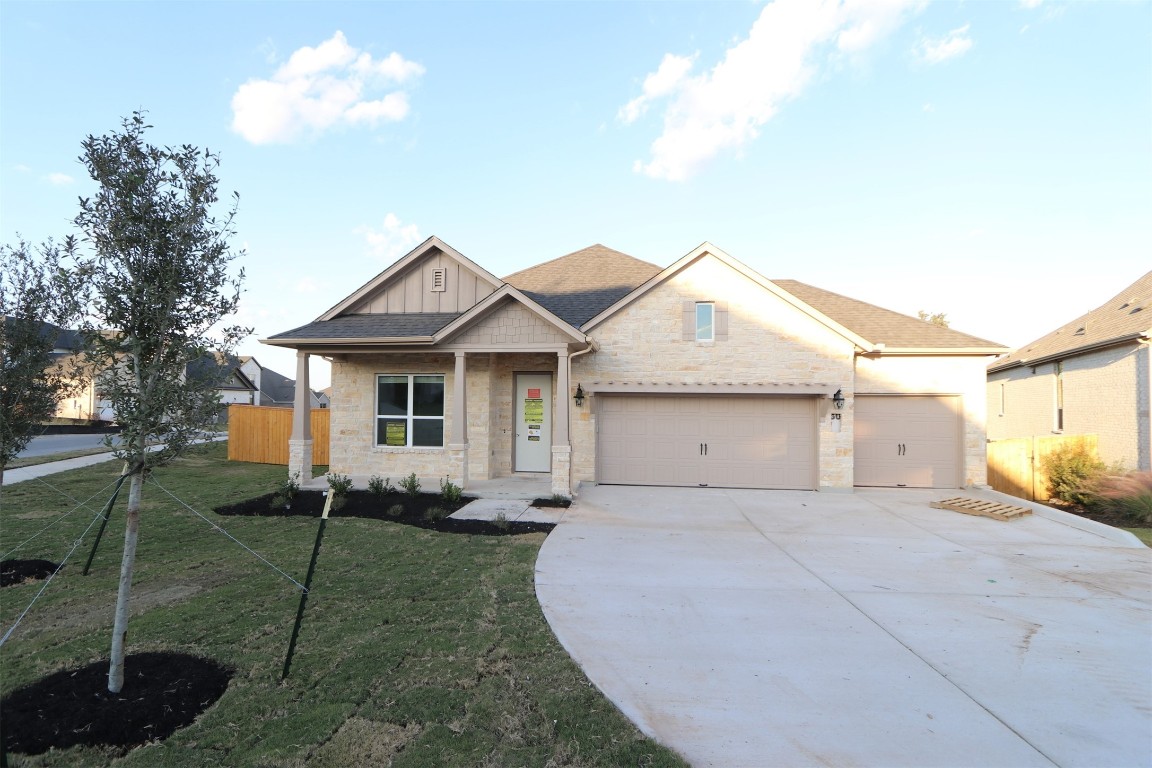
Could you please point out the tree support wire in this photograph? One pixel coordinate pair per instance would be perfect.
(79, 504)
(106, 513)
(307, 585)
(217, 528)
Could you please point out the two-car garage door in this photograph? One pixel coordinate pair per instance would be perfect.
(713, 440)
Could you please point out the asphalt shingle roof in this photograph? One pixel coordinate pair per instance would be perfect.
(879, 325)
(374, 326)
(581, 285)
(1126, 315)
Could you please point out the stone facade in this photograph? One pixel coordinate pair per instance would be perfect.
(1106, 393)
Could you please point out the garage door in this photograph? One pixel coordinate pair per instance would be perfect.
(731, 442)
(911, 441)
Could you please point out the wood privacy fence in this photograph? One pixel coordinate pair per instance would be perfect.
(260, 434)
(1015, 468)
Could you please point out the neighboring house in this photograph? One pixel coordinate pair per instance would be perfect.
(274, 389)
(1090, 376)
(235, 387)
(323, 397)
(600, 368)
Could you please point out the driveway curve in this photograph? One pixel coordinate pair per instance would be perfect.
(776, 628)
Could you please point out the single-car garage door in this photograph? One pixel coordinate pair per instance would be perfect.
(726, 441)
(907, 440)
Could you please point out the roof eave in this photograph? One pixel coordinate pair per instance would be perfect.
(378, 340)
(940, 351)
(1138, 337)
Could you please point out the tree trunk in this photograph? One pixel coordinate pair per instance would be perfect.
(127, 563)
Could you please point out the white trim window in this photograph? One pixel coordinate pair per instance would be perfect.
(705, 321)
(410, 410)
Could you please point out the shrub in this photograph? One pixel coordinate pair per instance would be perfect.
(435, 513)
(380, 486)
(1073, 472)
(340, 484)
(500, 521)
(560, 500)
(291, 487)
(449, 491)
(1130, 494)
(396, 510)
(410, 485)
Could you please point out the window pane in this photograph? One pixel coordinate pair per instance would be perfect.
(428, 396)
(392, 398)
(428, 432)
(392, 432)
(704, 322)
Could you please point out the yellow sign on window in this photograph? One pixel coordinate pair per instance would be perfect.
(395, 433)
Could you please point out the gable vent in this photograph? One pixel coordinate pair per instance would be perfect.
(439, 279)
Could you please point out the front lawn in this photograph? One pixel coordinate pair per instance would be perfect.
(418, 647)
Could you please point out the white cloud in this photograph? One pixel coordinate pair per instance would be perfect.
(784, 51)
(22, 168)
(59, 179)
(392, 240)
(321, 87)
(955, 43)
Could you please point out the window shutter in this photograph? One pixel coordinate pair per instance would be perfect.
(689, 321)
(721, 320)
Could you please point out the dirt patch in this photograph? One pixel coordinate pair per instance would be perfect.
(162, 693)
(19, 571)
(424, 510)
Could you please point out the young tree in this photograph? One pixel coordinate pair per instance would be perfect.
(38, 301)
(161, 287)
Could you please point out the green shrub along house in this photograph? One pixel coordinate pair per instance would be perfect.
(597, 367)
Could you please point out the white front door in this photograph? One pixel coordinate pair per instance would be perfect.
(533, 407)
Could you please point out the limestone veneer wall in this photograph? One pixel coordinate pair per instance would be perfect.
(769, 341)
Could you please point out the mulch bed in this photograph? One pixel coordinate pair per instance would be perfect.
(368, 505)
(162, 693)
(1102, 514)
(19, 571)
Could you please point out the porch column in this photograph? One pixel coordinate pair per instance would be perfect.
(458, 442)
(561, 448)
(300, 443)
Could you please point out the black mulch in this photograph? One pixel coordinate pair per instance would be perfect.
(1101, 514)
(162, 693)
(414, 511)
(18, 571)
(561, 503)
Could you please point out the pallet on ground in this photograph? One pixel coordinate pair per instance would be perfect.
(993, 509)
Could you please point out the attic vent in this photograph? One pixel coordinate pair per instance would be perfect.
(439, 279)
(1081, 330)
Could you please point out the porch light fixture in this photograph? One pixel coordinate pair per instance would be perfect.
(838, 399)
(579, 396)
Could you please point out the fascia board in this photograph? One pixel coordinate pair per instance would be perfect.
(402, 264)
(940, 351)
(1116, 341)
(380, 340)
(506, 291)
(707, 248)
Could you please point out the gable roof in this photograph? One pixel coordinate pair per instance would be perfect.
(582, 284)
(375, 327)
(883, 326)
(277, 387)
(222, 369)
(1125, 317)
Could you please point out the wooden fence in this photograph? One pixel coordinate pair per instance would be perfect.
(1014, 466)
(260, 434)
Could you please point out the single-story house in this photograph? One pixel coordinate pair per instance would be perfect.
(1092, 376)
(597, 367)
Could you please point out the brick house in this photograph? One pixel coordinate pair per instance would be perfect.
(1090, 376)
(600, 368)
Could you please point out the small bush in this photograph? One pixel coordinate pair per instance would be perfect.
(560, 500)
(435, 513)
(278, 501)
(410, 485)
(449, 491)
(380, 486)
(290, 487)
(396, 510)
(340, 484)
(500, 521)
(1073, 472)
(1129, 494)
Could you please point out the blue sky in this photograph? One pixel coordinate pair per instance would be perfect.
(988, 160)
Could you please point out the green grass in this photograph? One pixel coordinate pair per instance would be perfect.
(1144, 534)
(418, 648)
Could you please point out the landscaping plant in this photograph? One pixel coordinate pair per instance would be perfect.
(449, 491)
(339, 486)
(410, 484)
(1073, 472)
(1130, 494)
(380, 486)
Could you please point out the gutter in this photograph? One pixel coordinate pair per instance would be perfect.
(1140, 337)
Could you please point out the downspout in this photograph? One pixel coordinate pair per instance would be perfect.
(592, 347)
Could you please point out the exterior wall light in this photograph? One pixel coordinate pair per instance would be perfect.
(579, 396)
(838, 399)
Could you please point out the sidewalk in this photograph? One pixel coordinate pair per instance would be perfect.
(23, 474)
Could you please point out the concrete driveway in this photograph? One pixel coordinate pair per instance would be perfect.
(778, 628)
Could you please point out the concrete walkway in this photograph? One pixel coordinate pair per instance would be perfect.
(23, 474)
(767, 628)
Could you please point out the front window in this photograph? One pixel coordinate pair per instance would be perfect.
(410, 410)
(705, 327)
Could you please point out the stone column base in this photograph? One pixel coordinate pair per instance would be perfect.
(300, 459)
(458, 463)
(562, 470)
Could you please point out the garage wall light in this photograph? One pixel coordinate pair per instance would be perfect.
(838, 399)
(579, 396)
